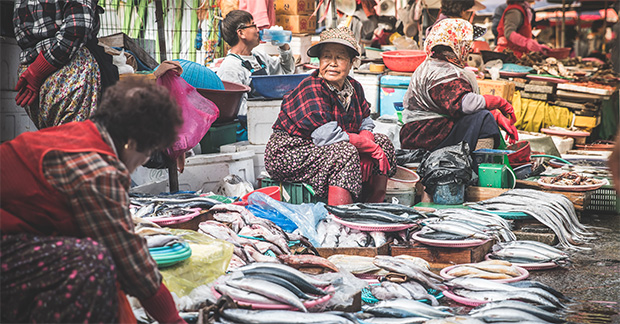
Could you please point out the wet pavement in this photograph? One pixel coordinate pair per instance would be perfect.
(593, 279)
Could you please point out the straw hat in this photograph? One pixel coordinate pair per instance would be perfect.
(340, 35)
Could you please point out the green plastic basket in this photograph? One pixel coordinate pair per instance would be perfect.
(298, 192)
(604, 200)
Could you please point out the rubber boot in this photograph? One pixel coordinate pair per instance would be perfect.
(338, 196)
(376, 188)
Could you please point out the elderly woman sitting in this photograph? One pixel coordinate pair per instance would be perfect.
(323, 134)
(442, 104)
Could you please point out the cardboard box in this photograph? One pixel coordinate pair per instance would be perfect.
(504, 89)
(294, 7)
(297, 23)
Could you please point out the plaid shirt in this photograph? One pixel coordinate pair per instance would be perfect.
(97, 185)
(58, 28)
(312, 104)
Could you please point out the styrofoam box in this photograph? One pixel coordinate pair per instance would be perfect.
(203, 171)
(13, 118)
(259, 155)
(563, 144)
(261, 116)
(370, 84)
(299, 46)
(9, 63)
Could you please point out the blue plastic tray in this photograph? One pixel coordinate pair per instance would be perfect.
(276, 86)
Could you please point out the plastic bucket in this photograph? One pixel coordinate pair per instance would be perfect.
(403, 179)
(405, 196)
(449, 194)
(273, 192)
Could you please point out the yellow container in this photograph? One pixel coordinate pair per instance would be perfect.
(585, 121)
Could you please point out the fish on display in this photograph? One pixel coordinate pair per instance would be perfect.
(282, 317)
(354, 263)
(370, 216)
(404, 308)
(307, 260)
(409, 269)
(515, 304)
(304, 282)
(269, 290)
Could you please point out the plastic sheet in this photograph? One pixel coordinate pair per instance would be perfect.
(275, 216)
(404, 156)
(346, 287)
(198, 113)
(209, 260)
(305, 216)
(450, 164)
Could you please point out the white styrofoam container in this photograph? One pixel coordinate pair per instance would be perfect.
(9, 62)
(261, 116)
(259, 155)
(370, 83)
(13, 119)
(202, 171)
(299, 46)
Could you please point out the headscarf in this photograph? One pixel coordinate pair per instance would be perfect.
(458, 34)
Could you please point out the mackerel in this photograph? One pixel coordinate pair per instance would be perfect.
(284, 283)
(508, 315)
(281, 317)
(269, 290)
(543, 314)
(369, 214)
(244, 295)
(497, 295)
(457, 230)
(404, 308)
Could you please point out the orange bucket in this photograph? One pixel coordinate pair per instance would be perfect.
(273, 192)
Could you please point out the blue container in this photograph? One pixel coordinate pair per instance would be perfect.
(200, 76)
(392, 91)
(276, 86)
(449, 194)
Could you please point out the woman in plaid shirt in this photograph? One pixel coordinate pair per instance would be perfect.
(323, 134)
(68, 238)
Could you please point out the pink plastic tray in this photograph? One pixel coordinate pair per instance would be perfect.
(308, 304)
(449, 243)
(602, 182)
(174, 219)
(374, 228)
(530, 266)
(463, 300)
(524, 274)
(512, 74)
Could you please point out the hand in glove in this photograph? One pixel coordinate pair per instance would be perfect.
(496, 102)
(367, 165)
(30, 81)
(367, 135)
(161, 306)
(511, 131)
(363, 145)
(528, 43)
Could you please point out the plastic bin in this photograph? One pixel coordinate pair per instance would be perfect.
(261, 116)
(298, 192)
(276, 86)
(604, 200)
(449, 194)
(205, 171)
(13, 118)
(218, 136)
(370, 84)
(259, 155)
(405, 196)
(392, 89)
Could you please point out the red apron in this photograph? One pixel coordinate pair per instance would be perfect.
(525, 30)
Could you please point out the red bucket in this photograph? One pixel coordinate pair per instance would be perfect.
(273, 192)
(521, 155)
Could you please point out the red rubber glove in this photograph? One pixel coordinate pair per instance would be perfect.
(496, 102)
(161, 306)
(530, 44)
(367, 165)
(31, 80)
(511, 131)
(363, 145)
(368, 135)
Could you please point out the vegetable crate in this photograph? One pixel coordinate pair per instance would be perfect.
(604, 200)
(298, 192)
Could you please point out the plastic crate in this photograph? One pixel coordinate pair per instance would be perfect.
(604, 200)
(217, 136)
(299, 193)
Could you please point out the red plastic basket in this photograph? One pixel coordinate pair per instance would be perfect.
(403, 60)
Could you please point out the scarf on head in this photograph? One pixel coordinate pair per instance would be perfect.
(457, 34)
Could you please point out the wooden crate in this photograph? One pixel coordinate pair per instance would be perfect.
(474, 193)
(441, 257)
(360, 251)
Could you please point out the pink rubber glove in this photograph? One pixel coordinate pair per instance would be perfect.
(528, 43)
(367, 165)
(161, 306)
(511, 131)
(363, 145)
(30, 81)
(368, 135)
(496, 102)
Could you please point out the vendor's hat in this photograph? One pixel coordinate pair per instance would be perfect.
(340, 35)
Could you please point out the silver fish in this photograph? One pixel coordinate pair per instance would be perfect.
(281, 317)
(269, 290)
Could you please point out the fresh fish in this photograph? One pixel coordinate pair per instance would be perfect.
(496, 295)
(391, 208)
(404, 308)
(507, 315)
(543, 314)
(478, 284)
(302, 281)
(257, 256)
(367, 215)
(388, 320)
(418, 292)
(434, 235)
(283, 283)
(458, 230)
(354, 263)
(385, 292)
(354, 238)
(413, 272)
(509, 270)
(524, 254)
(467, 271)
(269, 290)
(160, 240)
(536, 284)
(378, 238)
(281, 317)
(455, 320)
(307, 260)
(244, 295)
(415, 260)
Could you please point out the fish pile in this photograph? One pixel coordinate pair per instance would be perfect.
(484, 290)
(462, 224)
(245, 316)
(388, 290)
(505, 311)
(553, 210)
(162, 206)
(376, 213)
(411, 270)
(406, 310)
(571, 179)
(333, 234)
(528, 252)
(491, 269)
(272, 284)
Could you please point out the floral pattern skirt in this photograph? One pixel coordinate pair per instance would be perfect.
(296, 159)
(69, 94)
(48, 279)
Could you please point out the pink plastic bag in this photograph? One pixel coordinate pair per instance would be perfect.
(198, 113)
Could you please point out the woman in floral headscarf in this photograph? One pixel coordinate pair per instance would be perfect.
(442, 104)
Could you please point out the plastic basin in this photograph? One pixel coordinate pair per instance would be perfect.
(273, 192)
(478, 46)
(227, 101)
(449, 194)
(403, 60)
(404, 179)
(559, 53)
(276, 86)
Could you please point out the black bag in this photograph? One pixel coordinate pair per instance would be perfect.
(450, 164)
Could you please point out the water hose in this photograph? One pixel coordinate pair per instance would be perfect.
(553, 157)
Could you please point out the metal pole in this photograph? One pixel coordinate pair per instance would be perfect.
(173, 176)
(563, 23)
